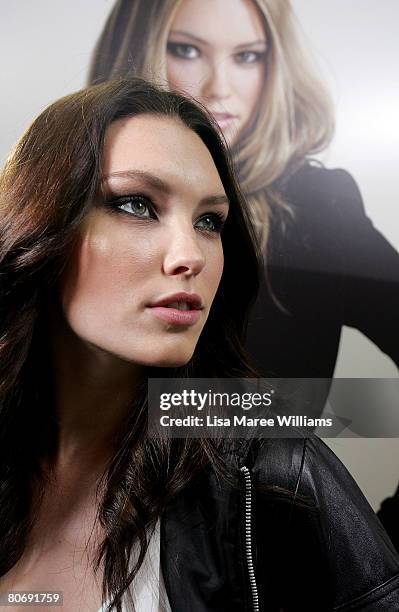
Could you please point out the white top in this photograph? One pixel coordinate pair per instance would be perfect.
(148, 589)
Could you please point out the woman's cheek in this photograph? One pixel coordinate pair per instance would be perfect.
(185, 76)
(102, 272)
(216, 269)
(252, 83)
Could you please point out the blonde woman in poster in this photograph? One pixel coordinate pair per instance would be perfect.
(326, 264)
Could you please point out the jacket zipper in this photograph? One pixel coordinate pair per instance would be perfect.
(248, 538)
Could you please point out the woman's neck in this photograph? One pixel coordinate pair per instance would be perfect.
(93, 394)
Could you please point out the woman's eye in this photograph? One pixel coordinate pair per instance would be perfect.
(249, 57)
(212, 222)
(138, 206)
(183, 50)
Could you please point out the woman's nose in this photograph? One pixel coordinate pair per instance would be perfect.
(183, 255)
(216, 84)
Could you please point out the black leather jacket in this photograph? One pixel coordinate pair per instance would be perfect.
(297, 534)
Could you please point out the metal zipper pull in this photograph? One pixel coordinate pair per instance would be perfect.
(248, 538)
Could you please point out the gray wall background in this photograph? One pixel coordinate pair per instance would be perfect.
(45, 48)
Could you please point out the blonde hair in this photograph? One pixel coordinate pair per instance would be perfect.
(294, 118)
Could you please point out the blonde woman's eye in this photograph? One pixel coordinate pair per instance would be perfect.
(135, 205)
(212, 222)
(249, 57)
(183, 50)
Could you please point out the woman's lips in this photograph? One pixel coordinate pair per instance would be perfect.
(176, 316)
(224, 119)
(180, 308)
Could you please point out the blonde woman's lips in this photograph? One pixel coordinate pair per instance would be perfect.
(224, 119)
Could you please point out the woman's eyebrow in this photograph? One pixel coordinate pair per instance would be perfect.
(160, 185)
(206, 43)
(255, 43)
(145, 177)
(214, 200)
(189, 35)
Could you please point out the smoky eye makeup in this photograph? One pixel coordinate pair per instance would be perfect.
(136, 201)
(141, 207)
(212, 222)
(129, 197)
(183, 50)
(136, 205)
(249, 57)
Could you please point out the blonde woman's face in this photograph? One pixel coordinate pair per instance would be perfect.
(216, 53)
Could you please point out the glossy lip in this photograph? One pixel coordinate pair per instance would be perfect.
(192, 299)
(223, 116)
(224, 119)
(175, 316)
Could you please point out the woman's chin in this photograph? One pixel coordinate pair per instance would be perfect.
(231, 134)
(168, 358)
(168, 362)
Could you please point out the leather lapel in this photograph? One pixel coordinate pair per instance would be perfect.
(201, 554)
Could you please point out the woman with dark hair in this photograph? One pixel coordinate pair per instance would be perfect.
(126, 253)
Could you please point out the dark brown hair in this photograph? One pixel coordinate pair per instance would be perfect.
(46, 189)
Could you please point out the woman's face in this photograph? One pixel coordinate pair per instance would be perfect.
(216, 53)
(148, 264)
